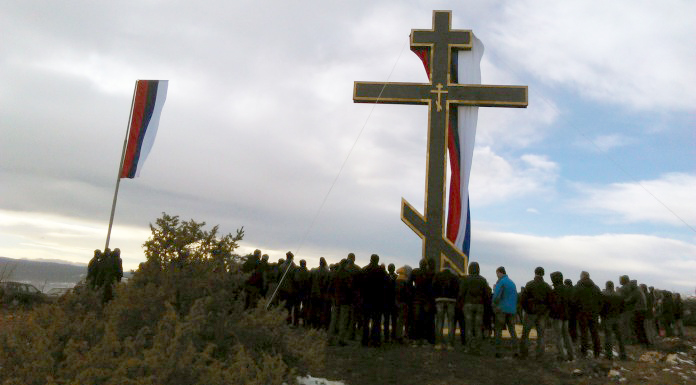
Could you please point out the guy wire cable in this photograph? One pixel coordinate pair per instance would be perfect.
(326, 197)
(350, 151)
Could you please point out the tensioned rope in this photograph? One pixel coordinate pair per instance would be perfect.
(606, 154)
(340, 171)
(343, 165)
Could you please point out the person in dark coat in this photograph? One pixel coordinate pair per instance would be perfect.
(588, 299)
(423, 303)
(445, 290)
(649, 320)
(612, 308)
(275, 271)
(639, 309)
(286, 286)
(265, 268)
(319, 298)
(629, 305)
(572, 312)
(333, 313)
(251, 261)
(678, 315)
(356, 314)
(560, 303)
(390, 311)
(254, 283)
(92, 268)
(343, 300)
(474, 294)
(373, 284)
(459, 320)
(536, 301)
(301, 288)
(667, 316)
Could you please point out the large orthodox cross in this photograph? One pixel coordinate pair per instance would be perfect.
(442, 97)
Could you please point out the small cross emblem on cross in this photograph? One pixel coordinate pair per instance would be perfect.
(439, 93)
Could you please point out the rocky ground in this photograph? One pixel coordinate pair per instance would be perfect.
(670, 361)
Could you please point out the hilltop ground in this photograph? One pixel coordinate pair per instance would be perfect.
(671, 363)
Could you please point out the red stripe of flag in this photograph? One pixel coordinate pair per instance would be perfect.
(454, 213)
(136, 125)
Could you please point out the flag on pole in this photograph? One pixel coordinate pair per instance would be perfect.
(147, 107)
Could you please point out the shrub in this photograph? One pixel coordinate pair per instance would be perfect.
(179, 320)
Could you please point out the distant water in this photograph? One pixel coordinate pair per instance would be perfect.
(46, 286)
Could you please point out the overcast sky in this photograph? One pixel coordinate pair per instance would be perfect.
(597, 174)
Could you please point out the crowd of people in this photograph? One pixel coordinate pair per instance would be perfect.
(380, 304)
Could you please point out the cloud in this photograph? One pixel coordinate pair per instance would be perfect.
(517, 128)
(495, 179)
(44, 235)
(627, 53)
(666, 200)
(604, 143)
(605, 256)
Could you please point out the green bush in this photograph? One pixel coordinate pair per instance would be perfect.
(179, 320)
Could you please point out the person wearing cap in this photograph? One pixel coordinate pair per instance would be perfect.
(505, 307)
(535, 300)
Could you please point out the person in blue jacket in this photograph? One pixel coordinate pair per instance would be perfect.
(505, 308)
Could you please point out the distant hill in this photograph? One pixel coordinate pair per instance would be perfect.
(45, 274)
(39, 272)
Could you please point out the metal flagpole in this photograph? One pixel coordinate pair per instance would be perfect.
(120, 168)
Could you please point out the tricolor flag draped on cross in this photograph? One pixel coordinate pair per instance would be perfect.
(148, 101)
(460, 145)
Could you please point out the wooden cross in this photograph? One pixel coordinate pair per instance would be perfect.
(443, 42)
